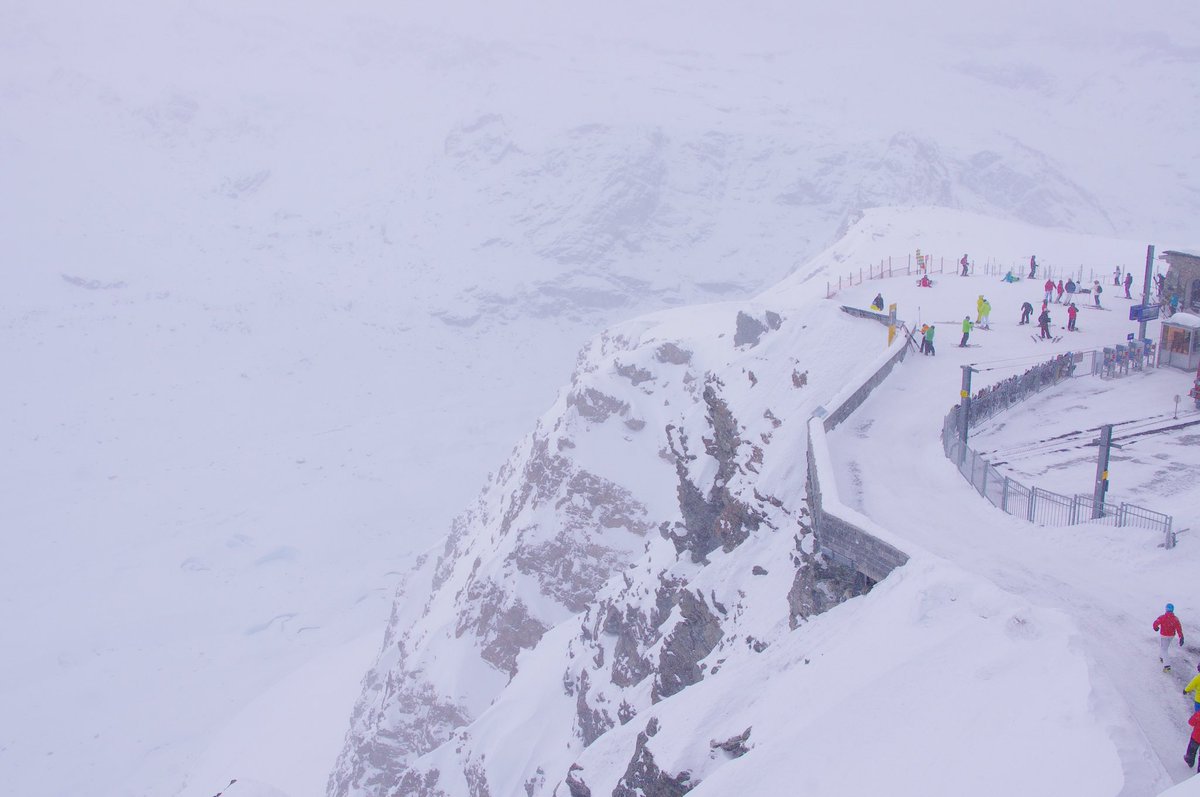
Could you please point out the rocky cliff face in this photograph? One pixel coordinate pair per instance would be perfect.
(648, 535)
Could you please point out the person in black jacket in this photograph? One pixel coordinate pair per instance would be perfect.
(1044, 323)
(1026, 312)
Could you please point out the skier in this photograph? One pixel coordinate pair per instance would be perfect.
(1026, 312)
(1159, 281)
(1059, 288)
(1072, 311)
(985, 314)
(963, 263)
(924, 329)
(967, 325)
(1096, 291)
(1049, 286)
(1071, 288)
(1194, 687)
(877, 304)
(1117, 277)
(924, 282)
(1044, 323)
(1032, 266)
(1128, 283)
(929, 341)
(979, 309)
(1168, 627)
(1194, 742)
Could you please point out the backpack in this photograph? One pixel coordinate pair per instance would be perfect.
(1099, 289)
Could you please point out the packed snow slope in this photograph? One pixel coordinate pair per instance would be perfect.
(633, 605)
(283, 282)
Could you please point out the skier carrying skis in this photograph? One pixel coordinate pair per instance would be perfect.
(967, 326)
(1026, 312)
(1128, 284)
(1044, 323)
(1194, 688)
(1072, 311)
(963, 263)
(1168, 627)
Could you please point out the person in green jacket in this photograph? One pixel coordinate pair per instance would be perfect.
(1194, 687)
(929, 340)
(967, 327)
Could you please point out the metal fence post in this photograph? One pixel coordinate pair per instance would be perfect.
(983, 482)
(1004, 495)
(1032, 504)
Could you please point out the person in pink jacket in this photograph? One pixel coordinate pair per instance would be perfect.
(1168, 627)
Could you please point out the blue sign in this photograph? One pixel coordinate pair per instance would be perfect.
(1143, 312)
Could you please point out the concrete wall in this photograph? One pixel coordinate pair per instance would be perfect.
(854, 400)
(846, 536)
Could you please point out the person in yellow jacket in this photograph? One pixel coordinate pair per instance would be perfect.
(979, 309)
(1194, 687)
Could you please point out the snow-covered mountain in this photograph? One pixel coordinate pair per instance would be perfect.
(633, 603)
(284, 283)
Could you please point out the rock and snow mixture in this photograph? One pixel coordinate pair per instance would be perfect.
(633, 605)
(600, 572)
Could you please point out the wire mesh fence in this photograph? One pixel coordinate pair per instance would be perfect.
(999, 397)
(1037, 505)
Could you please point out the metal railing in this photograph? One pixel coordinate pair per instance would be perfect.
(917, 264)
(1039, 506)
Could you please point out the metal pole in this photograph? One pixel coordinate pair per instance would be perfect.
(1146, 292)
(965, 394)
(1102, 471)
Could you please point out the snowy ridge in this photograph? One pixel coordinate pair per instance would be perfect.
(269, 270)
(667, 453)
(717, 649)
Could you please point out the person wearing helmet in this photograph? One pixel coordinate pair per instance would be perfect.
(1168, 627)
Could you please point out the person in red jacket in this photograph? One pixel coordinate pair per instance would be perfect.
(1168, 627)
(1194, 742)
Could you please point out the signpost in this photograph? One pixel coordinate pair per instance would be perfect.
(1144, 317)
(1143, 313)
